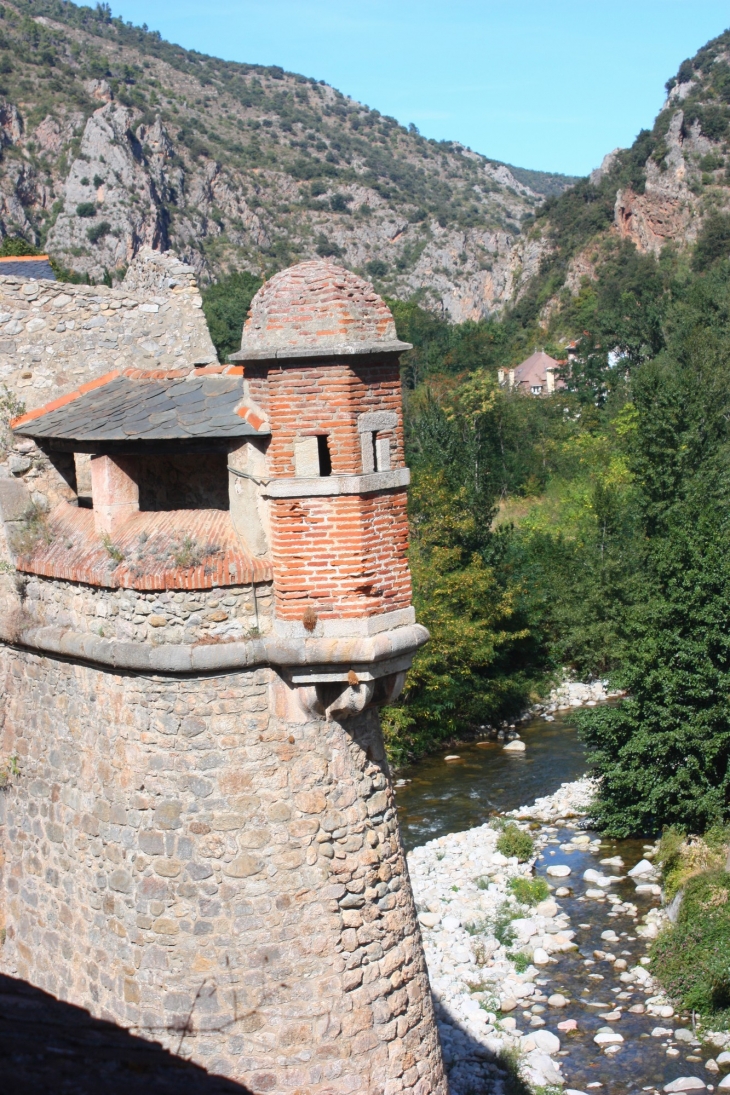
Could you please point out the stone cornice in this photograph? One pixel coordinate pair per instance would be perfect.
(136, 657)
(320, 350)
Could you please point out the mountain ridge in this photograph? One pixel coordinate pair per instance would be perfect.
(113, 139)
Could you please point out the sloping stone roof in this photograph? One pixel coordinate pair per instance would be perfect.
(147, 407)
(317, 309)
(27, 266)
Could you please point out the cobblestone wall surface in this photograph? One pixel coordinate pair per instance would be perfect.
(193, 859)
(55, 336)
(210, 615)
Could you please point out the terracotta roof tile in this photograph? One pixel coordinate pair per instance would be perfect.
(151, 544)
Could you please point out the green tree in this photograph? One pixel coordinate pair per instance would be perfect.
(663, 754)
(226, 304)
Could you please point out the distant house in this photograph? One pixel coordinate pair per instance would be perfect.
(534, 376)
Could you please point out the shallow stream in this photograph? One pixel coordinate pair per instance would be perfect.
(445, 797)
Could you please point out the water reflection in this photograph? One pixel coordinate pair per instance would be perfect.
(448, 796)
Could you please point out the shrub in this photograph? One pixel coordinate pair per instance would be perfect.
(692, 958)
(339, 203)
(327, 248)
(86, 209)
(681, 857)
(513, 841)
(99, 231)
(376, 268)
(529, 891)
(16, 245)
(226, 305)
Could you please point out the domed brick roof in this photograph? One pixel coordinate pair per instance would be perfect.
(317, 309)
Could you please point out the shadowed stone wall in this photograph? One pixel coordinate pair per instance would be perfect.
(195, 860)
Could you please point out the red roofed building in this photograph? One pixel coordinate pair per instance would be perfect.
(537, 375)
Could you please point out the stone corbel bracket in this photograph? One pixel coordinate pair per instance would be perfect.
(331, 691)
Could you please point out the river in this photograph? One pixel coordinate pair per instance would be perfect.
(442, 797)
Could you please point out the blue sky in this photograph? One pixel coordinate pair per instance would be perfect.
(550, 84)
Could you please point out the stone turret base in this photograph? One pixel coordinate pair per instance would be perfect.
(198, 860)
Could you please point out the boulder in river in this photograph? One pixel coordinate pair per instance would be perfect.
(558, 870)
(608, 1037)
(687, 1083)
(547, 908)
(546, 1041)
(515, 746)
(643, 869)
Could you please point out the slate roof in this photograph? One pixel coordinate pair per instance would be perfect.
(119, 407)
(27, 266)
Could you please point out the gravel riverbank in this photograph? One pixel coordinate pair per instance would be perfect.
(512, 991)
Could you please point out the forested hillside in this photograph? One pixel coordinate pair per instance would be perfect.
(111, 137)
(590, 529)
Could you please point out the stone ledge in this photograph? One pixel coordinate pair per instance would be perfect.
(347, 628)
(322, 349)
(337, 484)
(354, 650)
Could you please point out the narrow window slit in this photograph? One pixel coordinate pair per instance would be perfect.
(325, 460)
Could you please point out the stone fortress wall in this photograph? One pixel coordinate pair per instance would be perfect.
(197, 847)
(164, 617)
(194, 860)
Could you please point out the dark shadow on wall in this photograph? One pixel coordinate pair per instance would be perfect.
(48, 1046)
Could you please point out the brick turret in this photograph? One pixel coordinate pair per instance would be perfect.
(320, 362)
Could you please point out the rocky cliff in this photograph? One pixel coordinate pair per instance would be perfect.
(112, 139)
(657, 192)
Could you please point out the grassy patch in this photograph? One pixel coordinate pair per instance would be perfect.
(112, 550)
(692, 958)
(529, 891)
(513, 841)
(520, 960)
(681, 857)
(501, 924)
(509, 1061)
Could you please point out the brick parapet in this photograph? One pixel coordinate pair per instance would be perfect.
(195, 860)
(328, 398)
